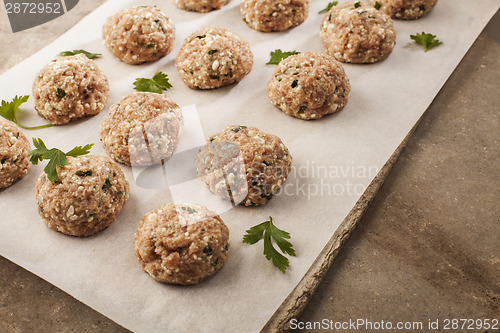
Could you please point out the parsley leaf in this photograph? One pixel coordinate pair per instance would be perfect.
(74, 52)
(377, 5)
(55, 156)
(278, 55)
(270, 232)
(330, 5)
(427, 40)
(79, 150)
(357, 4)
(157, 84)
(8, 110)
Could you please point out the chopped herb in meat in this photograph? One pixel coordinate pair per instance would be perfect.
(84, 173)
(60, 93)
(107, 184)
(208, 250)
(189, 210)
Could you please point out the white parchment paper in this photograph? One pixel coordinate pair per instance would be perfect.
(335, 158)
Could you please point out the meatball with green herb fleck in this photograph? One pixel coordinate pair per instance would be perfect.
(142, 129)
(274, 15)
(70, 88)
(356, 32)
(181, 244)
(139, 34)
(202, 6)
(404, 9)
(244, 165)
(87, 197)
(14, 149)
(309, 85)
(213, 57)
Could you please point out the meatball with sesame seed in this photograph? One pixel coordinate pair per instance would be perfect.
(181, 244)
(142, 129)
(244, 164)
(405, 9)
(70, 88)
(201, 6)
(213, 57)
(309, 85)
(274, 15)
(14, 149)
(356, 32)
(139, 34)
(86, 198)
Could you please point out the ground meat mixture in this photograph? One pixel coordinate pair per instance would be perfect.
(139, 34)
(405, 9)
(201, 6)
(142, 129)
(244, 165)
(358, 33)
(88, 195)
(274, 15)
(181, 243)
(214, 57)
(70, 88)
(309, 85)
(14, 149)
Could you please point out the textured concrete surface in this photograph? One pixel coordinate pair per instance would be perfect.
(428, 247)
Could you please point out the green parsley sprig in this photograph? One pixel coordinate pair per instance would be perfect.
(377, 5)
(270, 232)
(428, 41)
(89, 55)
(8, 110)
(157, 84)
(328, 7)
(278, 55)
(55, 156)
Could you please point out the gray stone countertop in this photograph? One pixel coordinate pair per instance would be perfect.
(428, 248)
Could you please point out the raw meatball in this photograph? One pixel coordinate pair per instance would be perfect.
(14, 149)
(70, 88)
(213, 57)
(139, 34)
(309, 85)
(274, 15)
(142, 129)
(201, 6)
(356, 32)
(405, 9)
(88, 195)
(181, 244)
(244, 164)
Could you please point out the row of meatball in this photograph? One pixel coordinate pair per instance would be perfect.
(143, 34)
(308, 86)
(279, 15)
